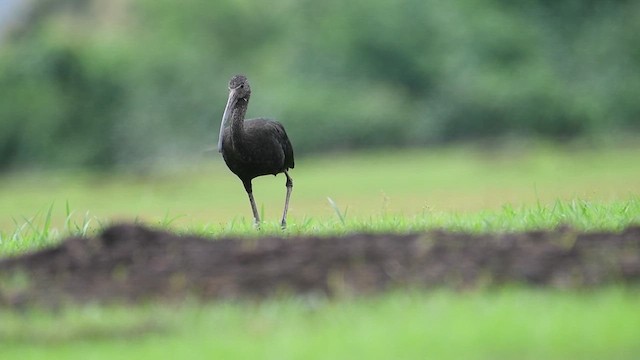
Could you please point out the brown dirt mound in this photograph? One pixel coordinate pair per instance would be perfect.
(132, 263)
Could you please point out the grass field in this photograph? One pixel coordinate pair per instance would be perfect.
(503, 324)
(471, 188)
(466, 189)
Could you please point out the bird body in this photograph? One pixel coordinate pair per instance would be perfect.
(264, 149)
(254, 147)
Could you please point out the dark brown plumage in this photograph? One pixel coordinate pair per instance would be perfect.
(253, 147)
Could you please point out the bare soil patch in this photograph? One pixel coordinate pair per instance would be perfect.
(135, 263)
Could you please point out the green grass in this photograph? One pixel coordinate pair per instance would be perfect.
(578, 214)
(509, 323)
(456, 180)
(463, 189)
(459, 189)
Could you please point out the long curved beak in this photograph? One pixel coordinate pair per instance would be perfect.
(231, 102)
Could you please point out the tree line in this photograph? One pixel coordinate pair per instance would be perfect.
(107, 83)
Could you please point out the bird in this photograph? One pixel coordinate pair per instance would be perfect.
(253, 147)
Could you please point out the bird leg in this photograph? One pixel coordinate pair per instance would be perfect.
(286, 201)
(256, 216)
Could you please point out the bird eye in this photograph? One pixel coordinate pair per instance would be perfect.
(241, 86)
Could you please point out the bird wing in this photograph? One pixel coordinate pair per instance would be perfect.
(283, 139)
(266, 130)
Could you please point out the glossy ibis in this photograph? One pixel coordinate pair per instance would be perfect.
(253, 147)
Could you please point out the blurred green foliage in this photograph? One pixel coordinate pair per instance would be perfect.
(110, 82)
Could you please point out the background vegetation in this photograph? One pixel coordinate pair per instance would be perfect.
(103, 83)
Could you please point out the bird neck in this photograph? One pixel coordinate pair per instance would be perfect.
(237, 122)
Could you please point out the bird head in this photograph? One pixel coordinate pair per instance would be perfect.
(239, 89)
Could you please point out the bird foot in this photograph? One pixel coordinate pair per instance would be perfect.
(283, 224)
(256, 224)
